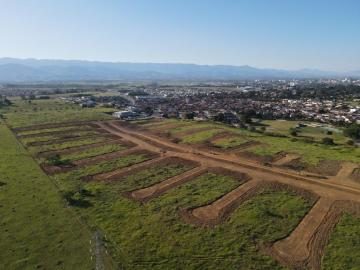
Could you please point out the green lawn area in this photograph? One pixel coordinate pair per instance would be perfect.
(342, 251)
(23, 113)
(230, 142)
(38, 231)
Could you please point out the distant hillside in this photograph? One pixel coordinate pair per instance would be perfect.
(26, 70)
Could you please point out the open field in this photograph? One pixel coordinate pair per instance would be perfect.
(38, 231)
(183, 195)
(23, 113)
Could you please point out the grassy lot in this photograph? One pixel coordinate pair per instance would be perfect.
(312, 132)
(58, 136)
(96, 151)
(200, 136)
(39, 131)
(38, 231)
(68, 144)
(153, 236)
(230, 142)
(23, 113)
(342, 251)
(70, 180)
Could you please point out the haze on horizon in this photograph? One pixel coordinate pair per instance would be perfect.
(267, 34)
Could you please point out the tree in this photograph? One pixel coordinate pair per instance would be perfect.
(219, 117)
(293, 132)
(149, 111)
(190, 115)
(353, 131)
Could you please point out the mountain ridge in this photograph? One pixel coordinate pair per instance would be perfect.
(31, 70)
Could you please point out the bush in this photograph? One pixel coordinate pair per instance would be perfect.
(350, 142)
(328, 141)
(56, 160)
(293, 133)
(353, 131)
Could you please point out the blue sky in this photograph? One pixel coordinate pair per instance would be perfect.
(289, 34)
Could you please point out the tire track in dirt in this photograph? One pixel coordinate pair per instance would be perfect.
(285, 159)
(145, 194)
(345, 174)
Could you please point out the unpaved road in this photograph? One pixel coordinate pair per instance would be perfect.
(324, 188)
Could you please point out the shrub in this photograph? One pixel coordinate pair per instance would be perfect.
(328, 141)
(350, 142)
(56, 160)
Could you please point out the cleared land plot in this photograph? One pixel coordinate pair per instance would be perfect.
(38, 231)
(153, 235)
(82, 148)
(96, 160)
(66, 135)
(229, 141)
(168, 166)
(147, 193)
(52, 131)
(87, 173)
(201, 136)
(95, 151)
(70, 144)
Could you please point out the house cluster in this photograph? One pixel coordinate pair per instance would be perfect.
(207, 105)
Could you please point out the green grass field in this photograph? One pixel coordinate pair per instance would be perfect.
(200, 136)
(38, 231)
(92, 152)
(38, 131)
(343, 251)
(73, 143)
(55, 137)
(23, 113)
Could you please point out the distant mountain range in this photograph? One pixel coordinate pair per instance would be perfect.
(34, 70)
